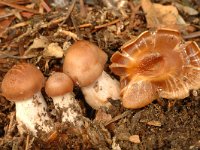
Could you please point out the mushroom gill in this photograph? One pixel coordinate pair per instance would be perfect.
(156, 64)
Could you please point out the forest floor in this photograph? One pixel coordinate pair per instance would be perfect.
(163, 124)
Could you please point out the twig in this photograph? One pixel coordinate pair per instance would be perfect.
(10, 127)
(69, 11)
(192, 35)
(82, 9)
(18, 7)
(82, 26)
(45, 6)
(6, 15)
(119, 117)
(136, 117)
(27, 142)
(42, 24)
(3, 55)
(67, 33)
(76, 28)
(21, 24)
(107, 24)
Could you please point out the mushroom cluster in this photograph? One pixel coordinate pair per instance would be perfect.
(156, 64)
(83, 65)
(23, 83)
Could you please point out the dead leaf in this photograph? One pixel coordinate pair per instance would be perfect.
(186, 9)
(161, 15)
(40, 42)
(53, 50)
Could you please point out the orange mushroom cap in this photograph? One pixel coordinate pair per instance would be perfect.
(21, 82)
(58, 84)
(156, 64)
(84, 62)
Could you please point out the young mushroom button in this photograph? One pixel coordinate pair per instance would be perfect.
(84, 63)
(156, 64)
(22, 84)
(59, 87)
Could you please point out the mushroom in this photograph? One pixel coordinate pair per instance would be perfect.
(59, 87)
(22, 84)
(84, 63)
(156, 64)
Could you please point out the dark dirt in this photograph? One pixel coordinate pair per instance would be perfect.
(160, 125)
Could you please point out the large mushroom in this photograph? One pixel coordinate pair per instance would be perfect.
(59, 87)
(22, 84)
(84, 63)
(156, 64)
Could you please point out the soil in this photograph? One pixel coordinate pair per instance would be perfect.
(164, 124)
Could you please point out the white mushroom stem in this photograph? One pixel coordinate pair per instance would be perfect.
(98, 93)
(31, 113)
(69, 107)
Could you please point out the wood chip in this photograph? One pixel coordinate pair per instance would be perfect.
(154, 123)
(134, 139)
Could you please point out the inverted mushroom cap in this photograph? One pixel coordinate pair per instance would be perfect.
(58, 84)
(84, 62)
(21, 82)
(156, 64)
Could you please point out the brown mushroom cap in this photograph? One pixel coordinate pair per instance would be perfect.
(156, 64)
(21, 82)
(84, 62)
(58, 84)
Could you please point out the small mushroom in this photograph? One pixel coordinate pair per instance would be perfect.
(84, 63)
(59, 87)
(156, 64)
(22, 84)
